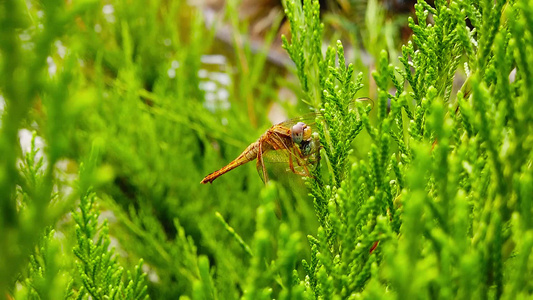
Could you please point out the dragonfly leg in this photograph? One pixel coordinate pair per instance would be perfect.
(291, 165)
(261, 163)
(306, 171)
(302, 163)
(299, 154)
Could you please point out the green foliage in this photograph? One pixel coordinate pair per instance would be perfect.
(444, 200)
(48, 277)
(29, 203)
(98, 269)
(51, 273)
(422, 192)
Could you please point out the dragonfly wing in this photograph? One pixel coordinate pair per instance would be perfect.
(309, 119)
(289, 157)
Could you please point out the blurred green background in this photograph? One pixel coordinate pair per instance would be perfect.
(146, 98)
(113, 112)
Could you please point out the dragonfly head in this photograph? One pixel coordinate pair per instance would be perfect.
(300, 132)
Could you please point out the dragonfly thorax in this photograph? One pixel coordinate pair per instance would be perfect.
(309, 146)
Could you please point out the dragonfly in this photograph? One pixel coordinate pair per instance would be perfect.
(293, 142)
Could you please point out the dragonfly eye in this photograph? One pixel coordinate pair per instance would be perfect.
(307, 133)
(298, 132)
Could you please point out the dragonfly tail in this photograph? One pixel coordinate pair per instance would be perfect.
(248, 155)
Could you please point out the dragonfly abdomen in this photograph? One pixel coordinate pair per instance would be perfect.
(249, 154)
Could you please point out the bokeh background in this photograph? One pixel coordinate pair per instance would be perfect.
(114, 111)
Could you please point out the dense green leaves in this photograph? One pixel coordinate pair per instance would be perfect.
(423, 191)
(441, 198)
(101, 275)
